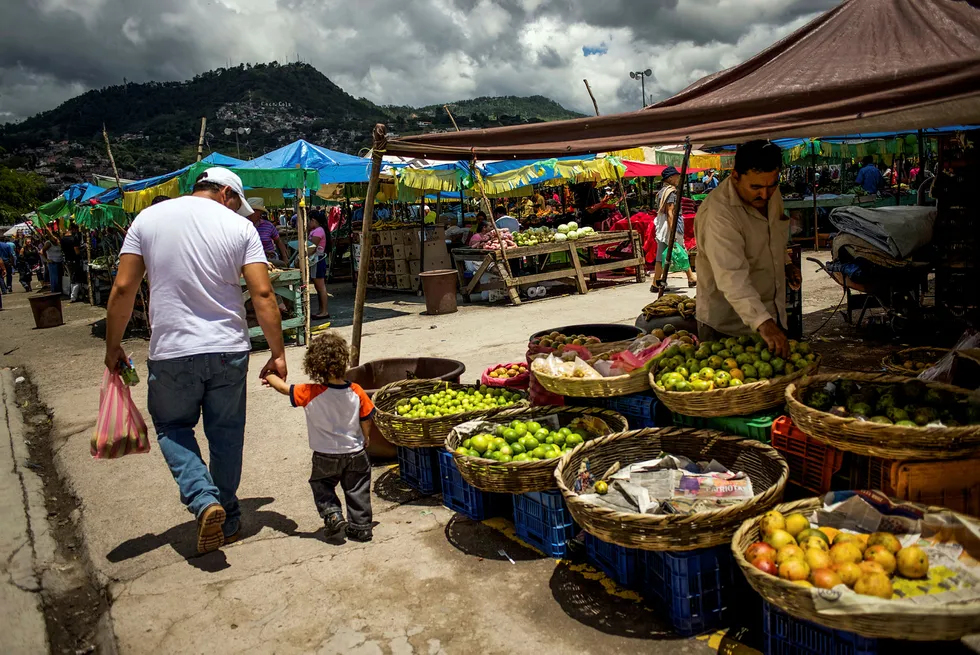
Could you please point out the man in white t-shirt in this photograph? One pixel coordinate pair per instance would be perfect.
(193, 250)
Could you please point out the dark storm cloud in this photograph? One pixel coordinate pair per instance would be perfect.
(391, 51)
(669, 21)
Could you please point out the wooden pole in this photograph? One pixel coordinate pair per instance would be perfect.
(379, 146)
(594, 103)
(88, 265)
(446, 107)
(672, 220)
(816, 226)
(115, 172)
(200, 139)
(304, 260)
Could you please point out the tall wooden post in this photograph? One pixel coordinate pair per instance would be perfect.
(88, 267)
(304, 260)
(380, 143)
(816, 214)
(200, 139)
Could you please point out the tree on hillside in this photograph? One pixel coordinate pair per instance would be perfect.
(19, 193)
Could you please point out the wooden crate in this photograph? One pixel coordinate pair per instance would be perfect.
(407, 266)
(952, 483)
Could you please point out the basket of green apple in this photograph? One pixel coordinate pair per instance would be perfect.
(735, 377)
(516, 450)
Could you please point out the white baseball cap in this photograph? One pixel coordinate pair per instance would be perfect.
(225, 177)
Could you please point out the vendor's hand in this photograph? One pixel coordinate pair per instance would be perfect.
(275, 365)
(775, 339)
(794, 277)
(115, 358)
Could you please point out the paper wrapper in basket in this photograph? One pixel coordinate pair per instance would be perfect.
(951, 541)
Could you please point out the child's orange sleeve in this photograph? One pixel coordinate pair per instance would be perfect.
(367, 407)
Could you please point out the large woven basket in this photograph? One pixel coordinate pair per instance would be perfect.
(424, 432)
(733, 401)
(934, 623)
(620, 385)
(878, 439)
(894, 363)
(524, 477)
(767, 470)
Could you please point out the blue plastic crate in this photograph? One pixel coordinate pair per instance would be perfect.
(640, 409)
(419, 468)
(620, 564)
(786, 635)
(542, 520)
(460, 496)
(694, 587)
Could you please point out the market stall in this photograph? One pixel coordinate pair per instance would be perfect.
(518, 266)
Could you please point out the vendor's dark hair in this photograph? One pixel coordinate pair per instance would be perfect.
(868, 159)
(762, 156)
(499, 209)
(159, 199)
(481, 213)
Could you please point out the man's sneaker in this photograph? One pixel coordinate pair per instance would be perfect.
(333, 524)
(359, 534)
(209, 534)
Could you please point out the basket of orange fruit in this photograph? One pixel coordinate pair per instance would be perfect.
(887, 583)
(512, 376)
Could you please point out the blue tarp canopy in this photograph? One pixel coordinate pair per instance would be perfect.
(334, 167)
(218, 159)
(495, 167)
(82, 192)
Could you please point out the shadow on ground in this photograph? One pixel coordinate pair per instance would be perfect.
(183, 538)
(593, 600)
(481, 540)
(389, 486)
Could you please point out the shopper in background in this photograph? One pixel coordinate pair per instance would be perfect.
(55, 258)
(272, 243)
(8, 256)
(869, 176)
(666, 199)
(318, 235)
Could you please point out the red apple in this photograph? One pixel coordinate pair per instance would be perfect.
(760, 549)
(765, 565)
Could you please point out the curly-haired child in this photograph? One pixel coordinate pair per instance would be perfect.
(338, 420)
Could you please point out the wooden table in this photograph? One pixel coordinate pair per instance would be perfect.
(287, 283)
(538, 256)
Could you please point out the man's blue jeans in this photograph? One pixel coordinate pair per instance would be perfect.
(179, 391)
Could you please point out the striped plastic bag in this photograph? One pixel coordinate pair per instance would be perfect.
(120, 429)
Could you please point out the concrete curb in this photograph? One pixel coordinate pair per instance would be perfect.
(27, 545)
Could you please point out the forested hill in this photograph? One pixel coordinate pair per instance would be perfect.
(154, 126)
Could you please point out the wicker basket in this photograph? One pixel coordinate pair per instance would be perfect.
(424, 432)
(934, 623)
(524, 477)
(894, 363)
(733, 401)
(879, 439)
(767, 470)
(620, 385)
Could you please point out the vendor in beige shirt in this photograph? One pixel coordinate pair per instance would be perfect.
(742, 236)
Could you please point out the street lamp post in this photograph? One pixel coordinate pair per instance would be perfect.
(241, 130)
(642, 75)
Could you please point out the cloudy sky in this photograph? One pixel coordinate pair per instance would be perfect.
(391, 51)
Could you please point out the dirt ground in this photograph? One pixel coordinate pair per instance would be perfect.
(430, 582)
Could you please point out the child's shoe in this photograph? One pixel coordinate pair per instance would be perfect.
(333, 524)
(360, 534)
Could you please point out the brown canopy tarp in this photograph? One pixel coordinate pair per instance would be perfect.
(864, 66)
